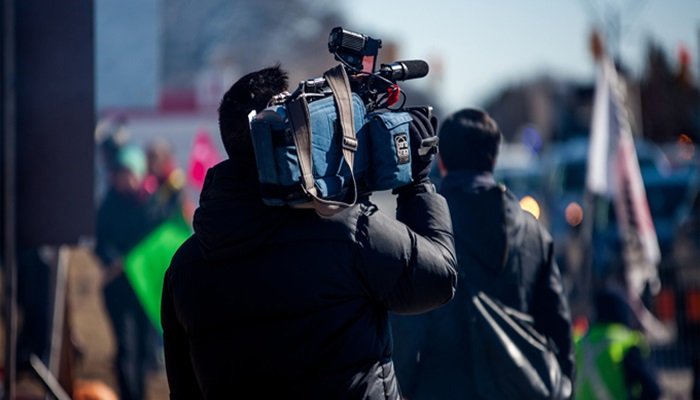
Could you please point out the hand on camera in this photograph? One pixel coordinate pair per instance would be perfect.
(423, 137)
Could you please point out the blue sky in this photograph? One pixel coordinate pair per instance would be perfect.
(482, 45)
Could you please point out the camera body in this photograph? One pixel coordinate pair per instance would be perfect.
(335, 136)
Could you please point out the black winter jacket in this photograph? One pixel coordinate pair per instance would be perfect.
(281, 303)
(506, 253)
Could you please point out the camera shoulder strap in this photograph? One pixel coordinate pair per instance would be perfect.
(299, 114)
(337, 79)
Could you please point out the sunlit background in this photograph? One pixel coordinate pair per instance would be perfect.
(161, 67)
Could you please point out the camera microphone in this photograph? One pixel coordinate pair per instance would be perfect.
(404, 70)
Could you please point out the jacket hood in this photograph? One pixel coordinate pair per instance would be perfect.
(487, 217)
(231, 219)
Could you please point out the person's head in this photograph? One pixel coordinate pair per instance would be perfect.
(160, 157)
(129, 169)
(251, 92)
(111, 134)
(612, 307)
(469, 140)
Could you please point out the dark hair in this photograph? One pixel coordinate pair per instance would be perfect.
(612, 306)
(251, 92)
(469, 139)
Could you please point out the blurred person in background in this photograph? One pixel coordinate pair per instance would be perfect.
(283, 303)
(502, 250)
(163, 187)
(111, 134)
(121, 224)
(165, 183)
(612, 357)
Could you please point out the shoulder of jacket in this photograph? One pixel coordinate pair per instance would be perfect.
(341, 226)
(187, 254)
(359, 219)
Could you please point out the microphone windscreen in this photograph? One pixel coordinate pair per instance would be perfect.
(415, 69)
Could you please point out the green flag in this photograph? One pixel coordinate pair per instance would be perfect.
(145, 264)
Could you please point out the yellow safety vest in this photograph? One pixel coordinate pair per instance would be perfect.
(599, 356)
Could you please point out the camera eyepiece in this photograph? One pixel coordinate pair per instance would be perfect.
(357, 50)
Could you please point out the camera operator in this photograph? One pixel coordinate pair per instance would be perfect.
(278, 301)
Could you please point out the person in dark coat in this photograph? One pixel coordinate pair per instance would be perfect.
(282, 303)
(121, 224)
(501, 250)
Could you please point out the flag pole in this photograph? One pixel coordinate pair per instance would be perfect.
(591, 200)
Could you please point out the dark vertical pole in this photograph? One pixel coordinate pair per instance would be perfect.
(9, 256)
(587, 276)
(47, 142)
(55, 121)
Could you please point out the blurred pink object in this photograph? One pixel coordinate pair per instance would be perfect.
(204, 156)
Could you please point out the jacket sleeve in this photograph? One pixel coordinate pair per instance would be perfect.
(551, 309)
(409, 265)
(178, 366)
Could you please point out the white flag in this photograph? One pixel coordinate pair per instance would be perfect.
(599, 146)
(613, 171)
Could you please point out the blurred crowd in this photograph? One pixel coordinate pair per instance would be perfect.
(139, 189)
(144, 189)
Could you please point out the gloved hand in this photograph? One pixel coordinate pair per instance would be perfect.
(423, 137)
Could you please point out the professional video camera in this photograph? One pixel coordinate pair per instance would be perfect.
(341, 133)
(358, 53)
